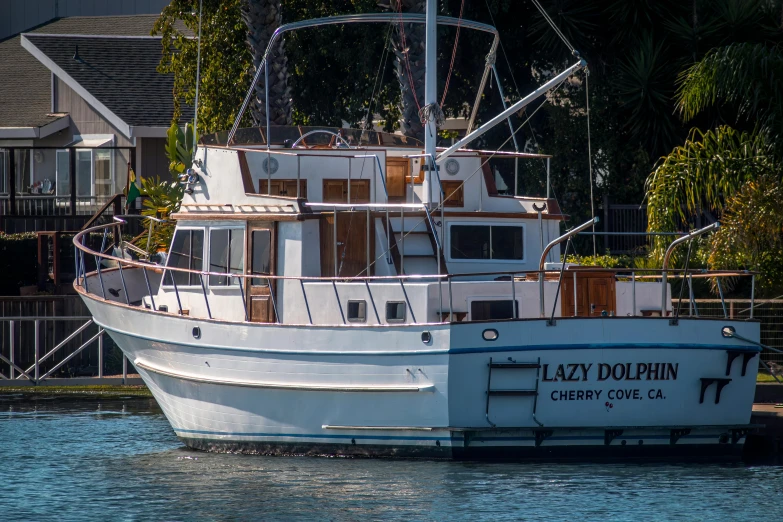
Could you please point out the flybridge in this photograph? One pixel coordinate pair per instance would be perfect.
(431, 20)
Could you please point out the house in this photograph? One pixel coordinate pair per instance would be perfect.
(81, 101)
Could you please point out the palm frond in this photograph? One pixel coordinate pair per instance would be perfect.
(745, 75)
(709, 168)
(644, 87)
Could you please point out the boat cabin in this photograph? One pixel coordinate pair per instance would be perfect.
(335, 225)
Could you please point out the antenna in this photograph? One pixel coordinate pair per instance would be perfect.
(198, 76)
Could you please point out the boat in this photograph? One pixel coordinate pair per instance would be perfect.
(358, 293)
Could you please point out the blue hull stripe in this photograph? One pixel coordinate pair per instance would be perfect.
(311, 435)
(618, 346)
(424, 438)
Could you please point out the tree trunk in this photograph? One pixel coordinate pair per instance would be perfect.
(410, 72)
(262, 17)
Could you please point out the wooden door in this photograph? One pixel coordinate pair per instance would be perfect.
(351, 244)
(260, 260)
(567, 295)
(595, 293)
(397, 178)
(336, 191)
(601, 293)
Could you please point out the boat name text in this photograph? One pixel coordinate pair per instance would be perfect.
(577, 372)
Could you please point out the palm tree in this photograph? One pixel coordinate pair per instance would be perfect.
(262, 17)
(727, 169)
(409, 50)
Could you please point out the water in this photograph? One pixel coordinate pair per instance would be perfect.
(89, 459)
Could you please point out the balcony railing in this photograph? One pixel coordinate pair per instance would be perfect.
(34, 205)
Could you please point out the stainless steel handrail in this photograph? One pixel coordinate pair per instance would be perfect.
(549, 247)
(408, 18)
(668, 254)
(402, 279)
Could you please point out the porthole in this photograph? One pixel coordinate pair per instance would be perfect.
(197, 332)
(452, 167)
(490, 334)
(270, 164)
(426, 337)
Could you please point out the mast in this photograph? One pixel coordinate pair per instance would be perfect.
(430, 94)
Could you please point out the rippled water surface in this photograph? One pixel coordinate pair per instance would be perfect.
(89, 459)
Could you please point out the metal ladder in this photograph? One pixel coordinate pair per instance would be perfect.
(513, 365)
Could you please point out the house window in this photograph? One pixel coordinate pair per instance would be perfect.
(491, 242)
(24, 167)
(395, 312)
(84, 173)
(3, 172)
(187, 251)
(357, 311)
(226, 255)
(493, 310)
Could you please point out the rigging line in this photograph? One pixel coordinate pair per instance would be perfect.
(376, 82)
(554, 26)
(453, 55)
(590, 157)
(405, 54)
(438, 207)
(524, 111)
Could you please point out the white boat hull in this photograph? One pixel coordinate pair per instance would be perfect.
(614, 387)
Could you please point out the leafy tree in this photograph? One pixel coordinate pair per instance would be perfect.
(226, 62)
(703, 172)
(744, 76)
(410, 55)
(735, 172)
(751, 235)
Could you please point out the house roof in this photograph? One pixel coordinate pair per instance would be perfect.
(25, 81)
(117, 75)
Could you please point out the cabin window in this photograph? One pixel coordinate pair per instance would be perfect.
(490, 242)
(395, 312)
(226, 255)
(357, 311)
(493, 310)
(187, 251)
(261, 260)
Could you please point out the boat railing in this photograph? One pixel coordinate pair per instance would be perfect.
(104, 259)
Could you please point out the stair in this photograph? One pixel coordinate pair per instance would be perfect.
(416, 252)
(512, 365)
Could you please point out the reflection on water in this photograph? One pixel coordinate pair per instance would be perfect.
(67, 459)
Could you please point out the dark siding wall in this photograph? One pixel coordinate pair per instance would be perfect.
(84, 119)
(17, 16)
(153, 158)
